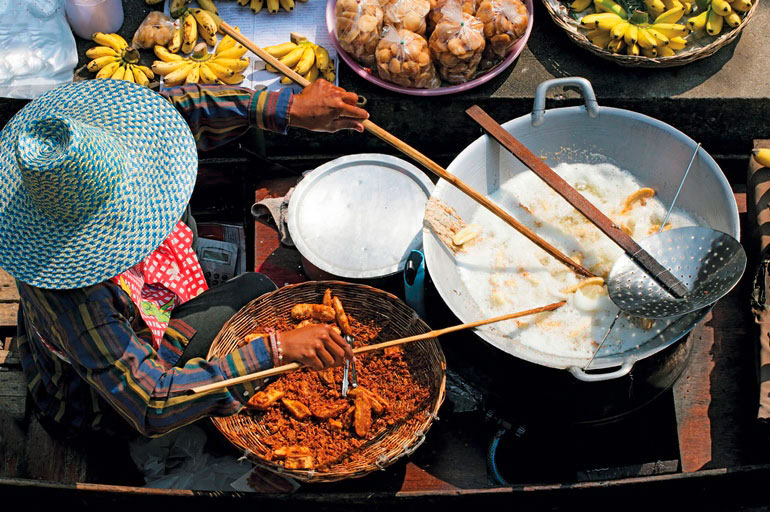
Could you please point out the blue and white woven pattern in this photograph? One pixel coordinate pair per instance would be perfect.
(94, 175)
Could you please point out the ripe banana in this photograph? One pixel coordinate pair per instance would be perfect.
(733, 19)
(190, 32)
(580, 5)
(101, 51)
(179, 75)
(256, 5)
(272, 6)
(219, 67)
(207, 76)
(721, 7)
(99, 63)
(114, 41)
(193, 76)
(321, 57)
(631, 35)
(741, 5)
(164, 68)
(646, 41)
(206, 22)
(220, 71)
(288, 5)
(226, 43)
(671, 29)
(714, 23)
(307, 60)
(677, 43)
(610, 6)
(243, 2)
(292, 58)
(280, 50)
(177, 7)
(119, 72)
(329, 75)
(655, 7)
(165, 55)
(177, 38)
(208, 5)
(235, 79)
(698, 23)
(236, 65)
(312, 74)
(762, 156)
(671, 15)
(650, 52)
(236, 52)
(108, 70)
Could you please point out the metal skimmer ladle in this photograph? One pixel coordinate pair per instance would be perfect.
(707, 262)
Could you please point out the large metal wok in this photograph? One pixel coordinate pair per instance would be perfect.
(656, 153)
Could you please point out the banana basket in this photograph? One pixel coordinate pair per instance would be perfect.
(394, 319)
(700, 46)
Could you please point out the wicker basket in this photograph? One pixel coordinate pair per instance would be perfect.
(707, 46)
(364, 303)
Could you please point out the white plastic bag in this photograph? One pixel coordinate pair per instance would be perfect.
(38, 48)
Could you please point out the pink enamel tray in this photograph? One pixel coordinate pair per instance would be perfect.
(439, 91)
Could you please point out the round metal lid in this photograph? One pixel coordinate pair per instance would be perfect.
(359, 216)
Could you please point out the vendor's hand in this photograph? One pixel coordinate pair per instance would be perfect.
(317, 346)
(323, 107)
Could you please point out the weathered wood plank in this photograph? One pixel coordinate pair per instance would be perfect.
(714, 399)
(8, 291)
(13, 392)
(8, 314)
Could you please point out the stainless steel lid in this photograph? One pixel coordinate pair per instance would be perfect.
(359, 216)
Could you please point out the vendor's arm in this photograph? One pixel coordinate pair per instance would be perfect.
(89, 326)
(218, 114)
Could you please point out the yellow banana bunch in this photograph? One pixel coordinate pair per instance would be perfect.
(114, 59)
(762, 156)
(307, 59)
(224, 66)
(273, 6)
(635, 35)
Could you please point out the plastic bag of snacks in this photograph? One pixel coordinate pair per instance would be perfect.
(408, 14)
(468, 6)
(358, 27)
(505, 22)
(157, 28)
(403, 58)
(457, 44)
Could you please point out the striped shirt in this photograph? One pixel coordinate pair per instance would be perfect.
(111, 366)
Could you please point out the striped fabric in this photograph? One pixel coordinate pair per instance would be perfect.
(218, 113)
(111, 361)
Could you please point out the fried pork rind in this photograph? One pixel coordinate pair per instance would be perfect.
(291, 451)
(358, 26)
(640, 195)
(263, 400)
(457, 44)
(403, 57)
(327, 377)
(505, 22)
(340, 316)
(313, 311)
(327, 301)
(327, 411)
(378, 404)
(362, 418)
(296, 408)
(299, 462)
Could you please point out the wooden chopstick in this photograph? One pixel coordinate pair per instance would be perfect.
(408, 150)
(576, 199)
(370, 348)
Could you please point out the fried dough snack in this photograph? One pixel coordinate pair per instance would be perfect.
(505, 22)
(362, 419)
(296, 408)
(358, 26)
(315, 311)
(403, 58)
(407, 14)
(457, 44)
(263, 400)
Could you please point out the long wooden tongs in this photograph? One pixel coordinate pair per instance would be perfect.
(417, 156)
(272, 372)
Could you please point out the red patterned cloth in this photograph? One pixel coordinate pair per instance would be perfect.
(169, 276)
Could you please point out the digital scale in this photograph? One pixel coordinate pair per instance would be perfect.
(218, 260)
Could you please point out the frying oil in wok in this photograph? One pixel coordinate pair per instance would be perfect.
(504, 272)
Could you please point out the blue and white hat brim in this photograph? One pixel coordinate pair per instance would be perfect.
(155, 187)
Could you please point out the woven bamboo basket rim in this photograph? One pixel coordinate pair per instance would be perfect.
(679, 59)
(390, 445)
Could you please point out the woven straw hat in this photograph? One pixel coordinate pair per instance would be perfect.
(93, 177)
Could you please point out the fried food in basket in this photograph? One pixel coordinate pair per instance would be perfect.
(312, 426)
(313, 311)
(457, 44)
(358, 26)
(262, 400)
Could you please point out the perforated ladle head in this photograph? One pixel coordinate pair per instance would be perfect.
(708, 262)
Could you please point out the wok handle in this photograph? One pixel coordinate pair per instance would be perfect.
(538, 108)
(581, 374)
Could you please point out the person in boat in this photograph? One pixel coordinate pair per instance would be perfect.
(115, 317)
